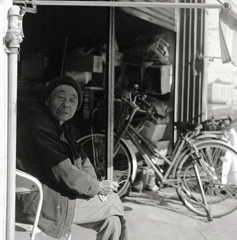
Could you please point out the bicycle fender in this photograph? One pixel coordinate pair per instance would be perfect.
(134, 158)
(131, 151)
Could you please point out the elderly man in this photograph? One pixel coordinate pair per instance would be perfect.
(46, 149)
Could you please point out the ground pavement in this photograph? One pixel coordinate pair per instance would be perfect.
(159, 216)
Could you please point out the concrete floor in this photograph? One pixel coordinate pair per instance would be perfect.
(160, 216)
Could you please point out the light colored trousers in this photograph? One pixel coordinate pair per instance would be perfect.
(106, 218)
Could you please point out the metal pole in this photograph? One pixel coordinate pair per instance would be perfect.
(13, 39)
(110, 94)
(183, 64)
(123, 4)
(189, 67)
(194, 65)
(201, 66)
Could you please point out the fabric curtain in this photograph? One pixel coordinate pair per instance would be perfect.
(228, 35)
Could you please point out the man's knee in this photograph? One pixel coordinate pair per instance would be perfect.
(110, 229)
(114, 222)
(114, 225)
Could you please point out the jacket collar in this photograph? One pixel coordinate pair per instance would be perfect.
(53, 119)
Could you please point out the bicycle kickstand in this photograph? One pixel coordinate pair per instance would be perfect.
(209, 217)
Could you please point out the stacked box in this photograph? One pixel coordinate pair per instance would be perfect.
(157, 79)
(86, 63)
(34, 67)
(162, 147)
(153, 131)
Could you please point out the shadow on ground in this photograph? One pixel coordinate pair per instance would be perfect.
(167, 199)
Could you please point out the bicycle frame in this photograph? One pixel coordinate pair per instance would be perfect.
(149, 151)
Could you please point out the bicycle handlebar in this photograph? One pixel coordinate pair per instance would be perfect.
(136, 99)
(144, 103)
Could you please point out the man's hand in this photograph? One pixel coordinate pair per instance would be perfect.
(108, 186)
(102, 198)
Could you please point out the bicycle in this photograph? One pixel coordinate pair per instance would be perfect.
(200, 169)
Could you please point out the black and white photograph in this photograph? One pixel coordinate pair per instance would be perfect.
(118, 120)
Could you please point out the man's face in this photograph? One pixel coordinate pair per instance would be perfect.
(62, 102)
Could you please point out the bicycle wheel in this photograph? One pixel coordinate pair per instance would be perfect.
(218, 173)
(95, 148)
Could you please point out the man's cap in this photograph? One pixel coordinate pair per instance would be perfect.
(62, 80)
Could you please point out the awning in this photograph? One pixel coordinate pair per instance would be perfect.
(228, 34)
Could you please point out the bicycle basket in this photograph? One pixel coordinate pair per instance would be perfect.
(215, 124)
(121, 111)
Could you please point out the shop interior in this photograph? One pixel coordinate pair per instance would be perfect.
(144, 55)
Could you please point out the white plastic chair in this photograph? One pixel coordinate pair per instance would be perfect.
(25, 184)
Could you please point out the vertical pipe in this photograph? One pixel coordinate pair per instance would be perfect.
(194, 72)
(14, 38)
(4, 7)
(182, 79)
(110, 94)
(178, 72)
(188, 79)
(205, 63)
(11, 145)
(201, 68)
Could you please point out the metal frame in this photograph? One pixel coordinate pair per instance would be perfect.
(121, 4)
(26, 187)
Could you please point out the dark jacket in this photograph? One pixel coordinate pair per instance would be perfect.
(49, 152)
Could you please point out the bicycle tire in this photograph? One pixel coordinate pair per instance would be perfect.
(220, 185)
(95, 148)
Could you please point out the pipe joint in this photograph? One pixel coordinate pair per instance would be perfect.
(14, 36)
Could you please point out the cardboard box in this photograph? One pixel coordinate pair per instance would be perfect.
(152, 131)
(39, 66)
(34, 67)
(87, 63)
(162, 147)
(166, 78)
(157, 79)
